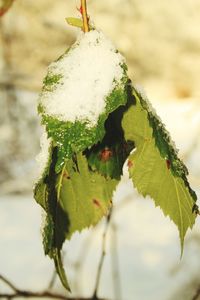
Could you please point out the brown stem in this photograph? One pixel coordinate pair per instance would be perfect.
(85, 16)
(17, 293)
(196, 296)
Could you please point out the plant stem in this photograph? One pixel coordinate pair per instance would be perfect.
(85, 16)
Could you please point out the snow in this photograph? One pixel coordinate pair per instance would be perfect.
(89, 72)
(43, 157)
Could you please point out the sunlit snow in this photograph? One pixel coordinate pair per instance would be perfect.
(89, 72)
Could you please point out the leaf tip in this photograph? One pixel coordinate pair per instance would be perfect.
(60, 270)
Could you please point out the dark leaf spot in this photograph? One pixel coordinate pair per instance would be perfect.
(96, 202)
(168, 162)
(66, 175)
(106, 154)
(130, 164)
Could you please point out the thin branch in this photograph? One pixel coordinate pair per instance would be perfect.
(17, 293)
(84, 15)
(78, 264)
(52, 280)
(115, 264)
(26, 294)
(8, 283)
(197, 294)
(5, 6)
(103, 253)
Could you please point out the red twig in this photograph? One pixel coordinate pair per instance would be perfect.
(83, 10)
(5, 7)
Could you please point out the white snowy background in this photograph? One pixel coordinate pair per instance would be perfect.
(161, 42)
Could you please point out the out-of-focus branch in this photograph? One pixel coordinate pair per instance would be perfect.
(52, 280)
(6, 4)
(78, 264)
(103, 253)
(197, 294)
(18, 293)
(115, 263)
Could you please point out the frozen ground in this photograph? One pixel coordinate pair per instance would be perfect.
(148, 245)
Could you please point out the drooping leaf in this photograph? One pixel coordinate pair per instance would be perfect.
(155, 167)
(60, 269)
(84, 196)
(86, 159)
(45, 195)
(74, 199)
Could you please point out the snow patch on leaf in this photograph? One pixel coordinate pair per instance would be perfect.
(77, 85)
(43, 157)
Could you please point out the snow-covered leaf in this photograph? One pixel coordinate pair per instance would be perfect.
(77, 136)
(80, 90)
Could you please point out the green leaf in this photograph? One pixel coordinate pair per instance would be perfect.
(76, 137)
(74, 199)
(60, 269)
(84, 196)
(45, 195)
(86, 161)
(76, 22)
(155, 167)
(108, 156)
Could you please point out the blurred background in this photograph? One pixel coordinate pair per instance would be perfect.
(160, 40)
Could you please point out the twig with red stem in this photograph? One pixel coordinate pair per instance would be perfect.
(197, 294)
(83, 11)
(5, 6)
